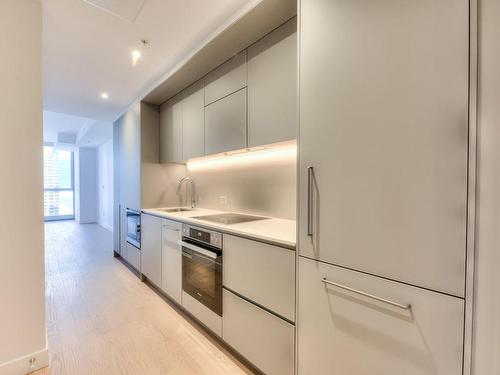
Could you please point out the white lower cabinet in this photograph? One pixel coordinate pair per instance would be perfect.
(133, 256)
(171, 259)
(347, 333)
(206, 316)
(151, 248)
(264, 339)
(263, 273)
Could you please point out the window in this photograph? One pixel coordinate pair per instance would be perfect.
(58, 184)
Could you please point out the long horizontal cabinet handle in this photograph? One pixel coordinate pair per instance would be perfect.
(376, 298)
(170, 228)
(198, 249)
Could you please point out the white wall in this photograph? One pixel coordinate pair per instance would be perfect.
(22, 290)
(486, 357)
(86, 196)
(105, 184)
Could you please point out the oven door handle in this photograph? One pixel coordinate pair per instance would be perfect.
(198, 249)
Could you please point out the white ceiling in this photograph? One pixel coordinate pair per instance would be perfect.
(88, 132)
(87, 50)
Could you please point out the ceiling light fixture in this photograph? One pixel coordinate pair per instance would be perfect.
(136, 55)
(104, 95)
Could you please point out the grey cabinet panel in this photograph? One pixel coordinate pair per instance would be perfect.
(264, 339)
(262, 273)
(341, 332)
(116, 187)
(171, 131)
(226, 79)
(226, 123)
(193, 122)
(272, 87)
(206, 316)
(171, 282)
(151, 248)
(127, 176)
(130, 158)
(384, 123)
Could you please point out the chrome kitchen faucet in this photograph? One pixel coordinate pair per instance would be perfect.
(193, 190)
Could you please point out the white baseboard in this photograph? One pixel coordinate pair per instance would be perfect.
(106, 226)
(87, 220)
(22, 366)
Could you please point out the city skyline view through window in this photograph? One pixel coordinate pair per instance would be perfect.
(58, 183)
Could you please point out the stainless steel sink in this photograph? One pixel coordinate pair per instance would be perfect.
(176, 209)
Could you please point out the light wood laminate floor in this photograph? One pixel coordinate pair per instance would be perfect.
(102, 320)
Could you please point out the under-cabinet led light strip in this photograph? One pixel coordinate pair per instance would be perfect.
(281, 152)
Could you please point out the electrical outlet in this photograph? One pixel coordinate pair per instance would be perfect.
(223, 200)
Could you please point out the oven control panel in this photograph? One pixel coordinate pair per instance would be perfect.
(202, 235)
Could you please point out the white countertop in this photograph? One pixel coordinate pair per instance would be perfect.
(272, 230)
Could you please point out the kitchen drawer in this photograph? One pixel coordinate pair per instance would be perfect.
(206, 316)
(341, 332)
(133, 256)
(226, 123)
(262, 273)
(227, 78)
(264, 339)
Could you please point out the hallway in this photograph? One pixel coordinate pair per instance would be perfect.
(102, 320)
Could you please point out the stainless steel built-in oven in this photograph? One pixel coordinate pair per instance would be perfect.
(202, 266)
(134, 227)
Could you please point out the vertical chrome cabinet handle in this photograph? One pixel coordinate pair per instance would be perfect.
(310, 173)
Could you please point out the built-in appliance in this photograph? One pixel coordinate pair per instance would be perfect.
(202, 266)
(229, 218)
(134, 227)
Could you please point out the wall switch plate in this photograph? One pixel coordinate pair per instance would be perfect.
(223, 200)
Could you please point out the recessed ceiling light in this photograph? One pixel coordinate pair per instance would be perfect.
(136, 55)
(104, 95)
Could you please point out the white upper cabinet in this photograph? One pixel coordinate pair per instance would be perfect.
(272, 87)
(171, 131)
(226, 123)
(226, 79)
(384, 124)
(193, 122)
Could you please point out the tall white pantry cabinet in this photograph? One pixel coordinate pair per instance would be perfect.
(383, 163)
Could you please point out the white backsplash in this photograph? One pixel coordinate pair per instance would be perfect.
(257, 185)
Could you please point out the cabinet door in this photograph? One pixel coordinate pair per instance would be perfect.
(193, 122)
(171, 260)
(171, 131)
(151, 248)
(383, 121)
(227, 78)
(264, 339)
(226, 123)
(272, 87)
(262, 273)
(342, 332)
(130, 158)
